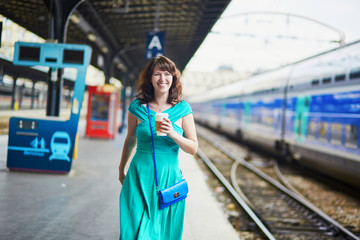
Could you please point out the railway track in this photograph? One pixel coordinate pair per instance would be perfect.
(279, 212)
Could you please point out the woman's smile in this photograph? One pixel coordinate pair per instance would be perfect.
(161, 80)
(162, 85)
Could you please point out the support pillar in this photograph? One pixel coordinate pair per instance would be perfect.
(59, 13)
(32, 94)
(13, 93)
(123, 102)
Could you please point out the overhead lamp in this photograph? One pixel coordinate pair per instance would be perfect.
(104, 49)
(75, 19)
(91, 37)
(121, 66)
(100, 60)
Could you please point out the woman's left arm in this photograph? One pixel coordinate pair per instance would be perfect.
(188, 143)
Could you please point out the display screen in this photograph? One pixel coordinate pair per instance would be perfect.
(29, 53)
(99, 107)
(73, 56)
(27, 124)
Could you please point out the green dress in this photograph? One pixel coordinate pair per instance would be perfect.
(140, 215)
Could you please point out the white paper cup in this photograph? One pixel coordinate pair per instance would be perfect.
(159, 117)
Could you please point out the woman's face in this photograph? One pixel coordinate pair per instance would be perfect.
(161, 80)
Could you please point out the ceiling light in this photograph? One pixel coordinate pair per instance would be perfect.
(91, 37)
(75, 19)
(104, 49)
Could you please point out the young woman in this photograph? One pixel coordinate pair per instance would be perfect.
(140, 216)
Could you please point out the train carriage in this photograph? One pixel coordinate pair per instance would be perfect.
(309, 110)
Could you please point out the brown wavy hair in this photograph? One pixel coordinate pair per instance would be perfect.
(146, 89)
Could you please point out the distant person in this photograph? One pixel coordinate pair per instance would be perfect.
(140, 216)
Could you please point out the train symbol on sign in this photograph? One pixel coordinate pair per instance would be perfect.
(60, 146)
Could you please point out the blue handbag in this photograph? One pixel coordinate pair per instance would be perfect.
(173, 194)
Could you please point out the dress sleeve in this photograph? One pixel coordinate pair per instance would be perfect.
(182, 109)
(135, 109)
(186, 109)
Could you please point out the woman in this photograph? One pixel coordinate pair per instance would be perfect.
(140, 216)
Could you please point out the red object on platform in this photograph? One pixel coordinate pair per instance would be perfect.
(102, 119)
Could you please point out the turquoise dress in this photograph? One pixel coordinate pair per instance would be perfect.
(140, 215)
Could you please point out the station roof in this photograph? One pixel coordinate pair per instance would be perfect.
(121, 26)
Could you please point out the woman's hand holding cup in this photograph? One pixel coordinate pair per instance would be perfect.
(162, 124)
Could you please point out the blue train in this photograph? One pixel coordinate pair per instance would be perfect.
(308, 111)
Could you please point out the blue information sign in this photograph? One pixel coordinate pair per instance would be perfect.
(47, 144)
(155, 44)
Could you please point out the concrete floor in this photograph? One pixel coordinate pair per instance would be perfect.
(84, 203)
(80, 205)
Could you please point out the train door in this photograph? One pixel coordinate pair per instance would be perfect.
(301, 118)
(247, 113)
(223, 114)
(239, 113)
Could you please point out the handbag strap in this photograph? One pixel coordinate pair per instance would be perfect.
(153, 147)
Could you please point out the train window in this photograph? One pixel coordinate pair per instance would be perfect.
(355, 73)
(255, 119)
(326, 80)
(336, 133)
(315, 82)
(340, 77)
(60, 140)
(323, 131)
(351, 136)
(268, 121)
(231, 115)
(311, 130)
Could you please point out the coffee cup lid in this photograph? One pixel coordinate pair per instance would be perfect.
(161, 114)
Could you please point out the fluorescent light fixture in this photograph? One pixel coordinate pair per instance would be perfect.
(75, 19)
(91, 37)
(104, 49)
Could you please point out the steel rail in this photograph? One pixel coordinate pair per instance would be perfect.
(287, 191)
(238, 190)
(242, 195)
(233, 192)
(286, 182)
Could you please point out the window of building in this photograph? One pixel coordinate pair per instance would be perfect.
(336, 132)
(351, 136)
(323, 131)
(311, 130)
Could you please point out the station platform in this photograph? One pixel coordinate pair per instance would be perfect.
(84, 203)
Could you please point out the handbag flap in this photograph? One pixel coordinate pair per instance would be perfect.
(172, 193)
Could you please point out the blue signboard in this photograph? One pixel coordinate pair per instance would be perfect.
(155, 44)
(47, 144)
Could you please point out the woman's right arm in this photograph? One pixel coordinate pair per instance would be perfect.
(129, 144)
